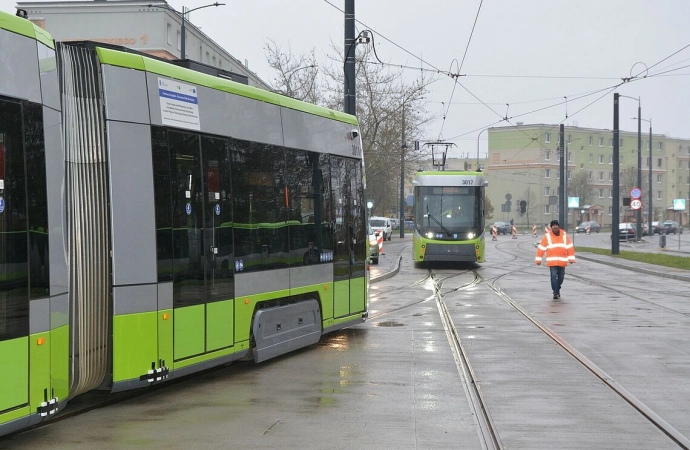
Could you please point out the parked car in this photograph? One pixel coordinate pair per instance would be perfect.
(626, 231)
(395, 223)
(594, 227)
(373, 245)
(671, 226)
(382, 224)
(503, 228)
(655, 228)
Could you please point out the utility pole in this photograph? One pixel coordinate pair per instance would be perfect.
(615, 220)
(563, 203)
(349, 72)
(638, 231)
(651, 210)
(403, 146)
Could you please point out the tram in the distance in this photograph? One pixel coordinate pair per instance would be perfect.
(449, 216)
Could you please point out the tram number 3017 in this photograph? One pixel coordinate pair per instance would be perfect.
(467, 182)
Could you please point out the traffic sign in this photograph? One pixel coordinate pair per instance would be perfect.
(635, 193)
(636, 203)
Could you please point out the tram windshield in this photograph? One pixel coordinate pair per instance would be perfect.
(448, 209)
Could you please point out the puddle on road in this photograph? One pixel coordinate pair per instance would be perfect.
(389, 323)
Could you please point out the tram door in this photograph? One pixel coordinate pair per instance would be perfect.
(350, 251)
(203, 288)
(14, 301)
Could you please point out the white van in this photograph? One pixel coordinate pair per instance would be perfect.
(382, 224)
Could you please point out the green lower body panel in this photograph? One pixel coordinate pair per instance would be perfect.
(341, 298)
(14, 374)
(219, 325)
(189, 331)
(358, 294)
(135, 345)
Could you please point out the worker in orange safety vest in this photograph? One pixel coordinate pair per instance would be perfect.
(559, 250)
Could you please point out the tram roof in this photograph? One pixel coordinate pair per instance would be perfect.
(122, 57)
(25, 28)
(449, 178)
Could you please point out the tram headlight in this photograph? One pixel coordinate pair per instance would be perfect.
(430, 235)
(470, 235)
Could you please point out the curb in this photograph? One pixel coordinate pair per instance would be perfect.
(635, 269)
(389, 274)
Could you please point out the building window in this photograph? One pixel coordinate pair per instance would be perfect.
(610, 176)
(659, 146)
(610, 193)
(591, 158)
(547, 155)
(601, 193)
(179, 42)
(547, 173)
(659, 178)
(169, 34)
(547, 138)
(601, 176)
(601, 159)
(570, 157)
(610, 159)
(610, 142)
(570, 174)
(621, 146)
(547, 191)
(610, 210)
(589, 175)
(547, 209)
(658, 195)
(601, 142)
(658, 162)
(591, 141)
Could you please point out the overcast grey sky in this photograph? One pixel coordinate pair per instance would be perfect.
(529, 54)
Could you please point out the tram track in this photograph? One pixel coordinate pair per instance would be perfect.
(655, 419)
(609, 381)
(486, 429)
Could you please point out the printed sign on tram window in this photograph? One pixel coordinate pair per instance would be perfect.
(179, 104)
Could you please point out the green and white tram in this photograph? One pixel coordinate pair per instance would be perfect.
(449, 216)
(156, 221)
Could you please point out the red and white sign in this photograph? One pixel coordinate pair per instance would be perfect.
(636, 204)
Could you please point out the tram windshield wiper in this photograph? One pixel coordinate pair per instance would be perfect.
(429, 216)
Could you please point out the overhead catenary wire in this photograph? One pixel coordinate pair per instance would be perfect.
(456, 76)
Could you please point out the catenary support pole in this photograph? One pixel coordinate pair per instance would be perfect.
(615, 219)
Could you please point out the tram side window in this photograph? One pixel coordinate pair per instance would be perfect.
(163, 201)
(14, 279)
(310, 220)
(359, 235)
(38, 204)
(259, 207)
(218, 223)
(341, 201)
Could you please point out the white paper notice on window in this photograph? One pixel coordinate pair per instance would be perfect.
(179, 104)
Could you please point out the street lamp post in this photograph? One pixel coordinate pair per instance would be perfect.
(480, 133)
(182, 27)
(650, 210)
(287, 83)
(638, 215)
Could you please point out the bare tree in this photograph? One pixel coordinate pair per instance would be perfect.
(296, 76)
(580, 186)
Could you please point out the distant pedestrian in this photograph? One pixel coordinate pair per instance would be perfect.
(559, 252)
